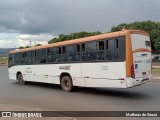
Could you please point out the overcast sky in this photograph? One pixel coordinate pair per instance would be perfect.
(22, 21)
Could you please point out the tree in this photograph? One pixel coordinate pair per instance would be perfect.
(24, 47)
(157, 43)
(63, 37)
(21, 47)
(153, 28)
(38, 45)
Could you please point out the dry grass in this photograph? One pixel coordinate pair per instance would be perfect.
(156, 71)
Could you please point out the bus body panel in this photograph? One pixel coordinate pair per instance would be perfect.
(51, 74)
(141, 55)
(48, 73)
(11, 72)
(109, 74)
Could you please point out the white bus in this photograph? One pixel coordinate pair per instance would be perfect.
(120, 59)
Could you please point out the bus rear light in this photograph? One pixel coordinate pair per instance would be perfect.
(132, 71)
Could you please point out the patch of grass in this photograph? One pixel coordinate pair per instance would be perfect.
(155, 70)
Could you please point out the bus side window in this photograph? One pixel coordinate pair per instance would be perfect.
(121, 48)
(58, 55)
(83, 47)
(59, 50)
(35, 53)
(116, 40)
(106, 44)
(48, 55)
(23, 59)
(51, 54)
(64, 55)
(24, 55)
(100, 51)
(101, 45)
(91, 54)
(70, 53)
(110, 45)
(78, 48)
(63, 50)
(15, 61)
(43, 56)
(18, 58)
(48, 51)
(40, 56)
(32, 57)
(35, 56)
(115, 52)
(77, 53)
(28, 57)
(10, 60)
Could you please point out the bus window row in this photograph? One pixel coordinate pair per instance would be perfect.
(102, 50)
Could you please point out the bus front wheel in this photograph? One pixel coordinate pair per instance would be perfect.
(66, 83)
(20, 79)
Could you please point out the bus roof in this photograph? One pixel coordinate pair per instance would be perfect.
(81, 40)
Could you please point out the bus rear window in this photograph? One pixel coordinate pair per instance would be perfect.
(148, 43)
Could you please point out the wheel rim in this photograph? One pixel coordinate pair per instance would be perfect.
(20, 79)
(66, 84)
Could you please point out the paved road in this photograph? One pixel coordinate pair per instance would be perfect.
(51, 97)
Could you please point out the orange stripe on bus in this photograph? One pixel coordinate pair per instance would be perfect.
(142, 50)
(129, 54)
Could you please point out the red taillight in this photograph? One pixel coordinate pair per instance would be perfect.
(132, 71)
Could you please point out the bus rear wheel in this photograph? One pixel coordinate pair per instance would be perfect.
(20, 79)
(66, 83)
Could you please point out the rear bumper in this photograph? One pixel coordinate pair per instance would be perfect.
(138, 81)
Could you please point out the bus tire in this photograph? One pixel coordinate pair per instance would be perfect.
(20, 79)
(66, 84)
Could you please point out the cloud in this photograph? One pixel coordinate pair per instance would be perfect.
(4, 43)
(27, 39)
(35, 18)
(14, 40)
(61, 16)
(41, 37)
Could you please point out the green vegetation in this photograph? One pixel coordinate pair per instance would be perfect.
(24, 47)
(38, 45)
(29, 46)
(153, 28)
(155, 70)
(63, 37)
